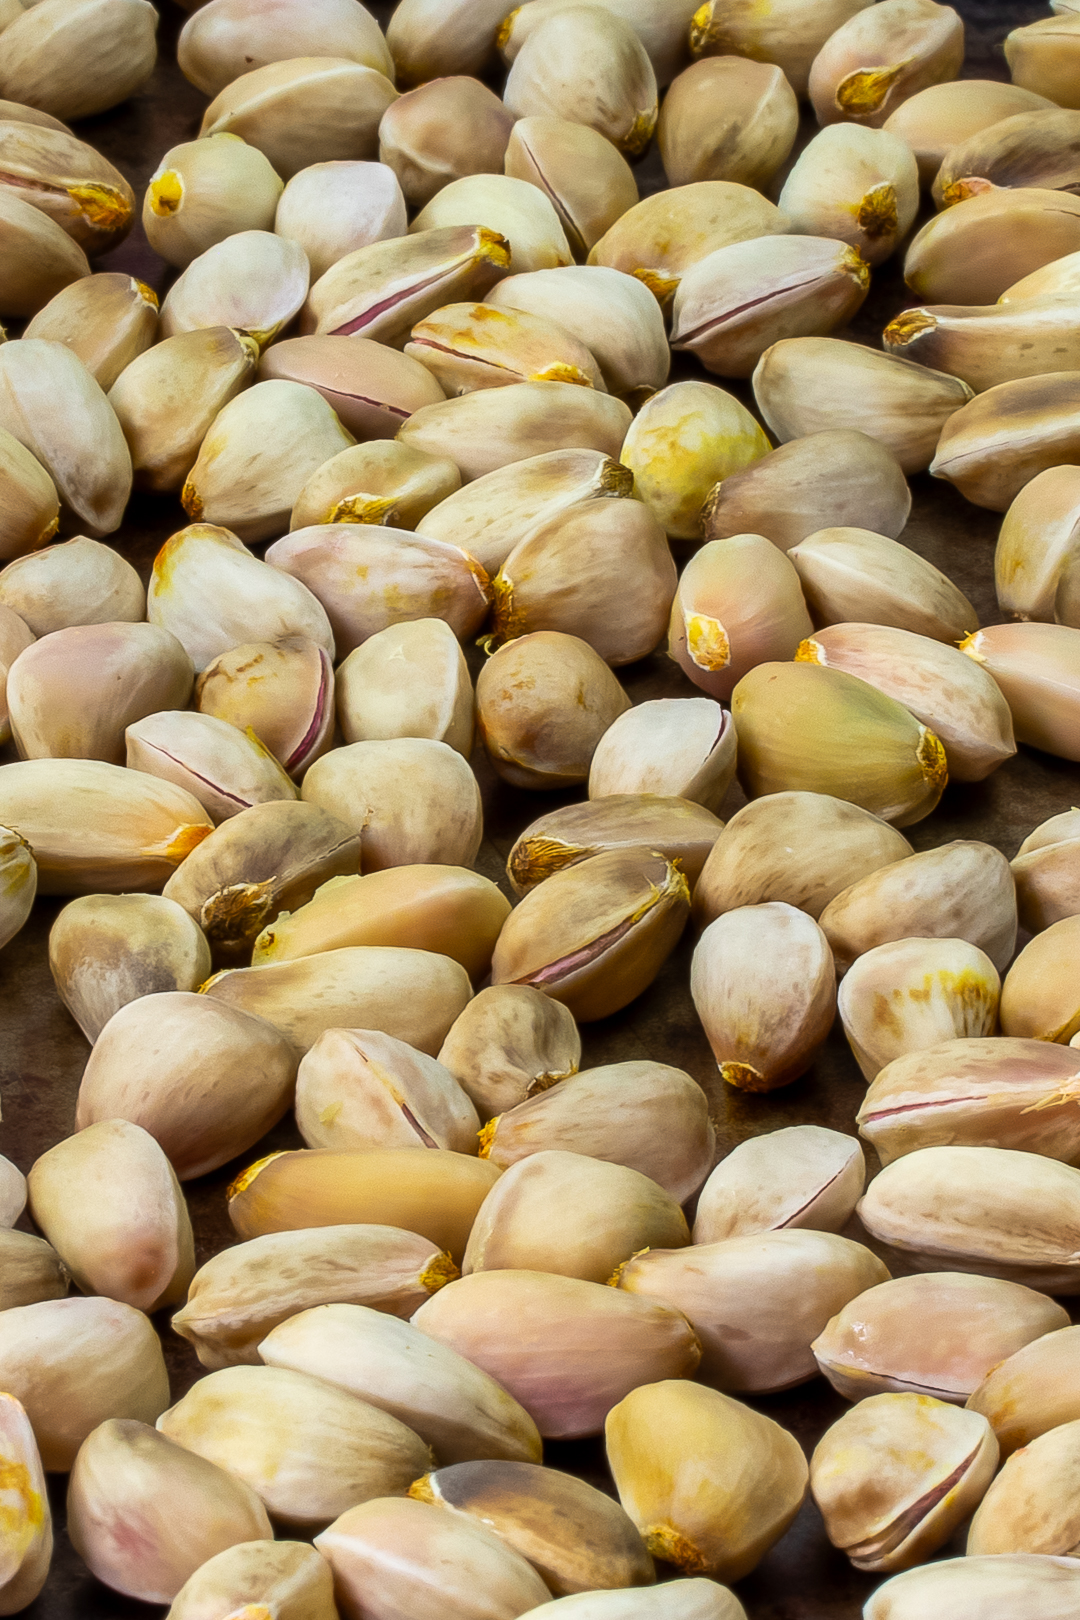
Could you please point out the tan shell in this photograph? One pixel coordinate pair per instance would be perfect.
(790, 33)
(910, 994)
(592, 70)
(739, 604)
(252, 281)
(446, 129)
(409, 680)
(588, 182)
(69, 181)
(371, 388)
(18, 886)
(511, 1043)
(943, 115)
(874, 61)
(107, 319)
(976, 250)
(378, 482)
(79, 581)
(1046, 870)
(1031, 1391)
(1028, 148)
(667, 746)
(29, 1534)
(492, 427)
(12, 1193)
(514, 211)
(683, 441)
(15, 637)
(988, 346)
(411, 799)
(1037, 667)
(1042, 57)
(855, 185)
(801, 1176)
(467, 346)
(661, 27)
(1039, 536)
(852, 576)
(287, 1574)
(39, 258)
(1030, 1507)
(1050, 1584)
(203, 191)
(216, 47)
(358, 1089)
(33, 1271)
(429, 38)
(282, 691)
(226, 769)
(1039, 998)
(727, 118)
(333, 208)
(76, 60)
(31, 508)
(677, 828)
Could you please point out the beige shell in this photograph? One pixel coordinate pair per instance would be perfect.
(491, 427)
(18, 884)
(378, 482)
(107, 319)
(287, 1574)
(79, 58)
(874, 61)
(1042, 1585)
(661, 27)
(727, 118)
(1042, 57)
(1029, 148)
(467, 346)
(683, 441)
(739, 604)
(1031, 1391)
(216, 47)
(590, 69)
(40, 258)
(69, 181)
(226, 769)
(852, 576)
(429, 38)
(1030, 1506)
(510, 1044)
(1046, 870)
(79, 581)
(33, 1270)
(1001, 343)
(588, 181)
(682, 747)
(910, 994)
(28, 1535)
(252, 281)
(855, 185)
(512, 210)
(943, 115)
(1039, 999)
(203, 191)
(371, 388)
(1038, 538)
(801, 1176)
(1037, 667)
(31, 507)
(283, 691)
(444, 130)
(409, 680)
(15, 637)
(677, 828)
(976, 250)
(333, 208)
(790, 33)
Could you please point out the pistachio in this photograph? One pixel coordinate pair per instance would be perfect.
(971, 1588)
(976, 250)
(253, 281)
(988, 346)
(39, 258)
(108, 949)
(591, 70)
(28, 1534)
(431, 696)
(801, 1177)
(542, 704)
(372, 388)
(1029, 1508)
(739, 604)
(1039, 535)
(411, 799)
(896, 1475)
(936, 1334)
(1026, 149)
(95, 829)
(727, 118)
(332, 209)
(944, 116)
(647, 1116)
(18, 884)
(33, 1271)
(764, 987)
(596, 935)
(216, 47)
(509, 1044)
(265, 860)
(1057, 279)
(446, 909)
(802, 726)
(855, 185)
(446, 129)
(801, 848)
(790, 33)
(203, 191)
(282, 691)
(310, 109)
(226, 769)
(682, 442)
(242, 1293)
(1042, 57)
(875, 60)
(1067, 597)
(513, 210)
(431, 38)
(379, 482)
(1032, 1391)
(69, 181)
(677, 828)
(490, 428)
(30, 506)
(1039, 998)
(670, 746)
(839, 474)
(396, 1554)
(853, 576)
(961, 890)
(709, 1483)
(1004, 1092)
(661, 29)
(122, 1510)
(568, 1350)
(50, 402)
(1046, 870)
(808, 384)
(686, 1599)
(467, 346)
(905, 996)
(12, 1193)
(587, 180)
(285, 1574)
(79, 58)
(1037, 667)
(108, 320)
(73, 1363)
(79, 581)
(358, 1089)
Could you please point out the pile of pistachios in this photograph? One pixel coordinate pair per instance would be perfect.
(409, 385)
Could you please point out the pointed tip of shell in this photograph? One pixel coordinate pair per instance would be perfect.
(665, 1542)
(246, 1177)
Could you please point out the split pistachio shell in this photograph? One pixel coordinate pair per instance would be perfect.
(81, 446)
(661, 29)
(802, 848)
(33, 1270)
(961, 890)
(512, 210)
(380, 482)
(69, 181)
(252, 281)
(596, 935)
(669, 746)
(709, 1483)
(243, 1293)
(122, 1510)
(645, 1115)
(676, 828)
(855, 185)
(942, 116)
(790, 33)
(108, 320)
(18, 884)
(333, 208)
(31, 508)
(26, 1543)
(467, 346)
(1043, 57)
(1031, 1391)
(511, 1043)
(39, 258)
(217, 46)
(427, 1191)
(683, 441)
(853, 576)
(910, 994)
(542, 704)
(409, 680)
(686, 1599)
(840, 474)
(802, 726)
(446, 129)
(381, 290)
(411, 799)
(286, 1578)
(309, 109)
(937, 1334)
(282, 691)
(206, 1080)
(587, 180)
(801, 1177)
(1005, 1092)
(764, 987)
(1039, 536)
(79, 581)
(568, 1350)
(1037, 667)
(591, 69)
(571, 1216)
(447, 909)
(12, 1193)
(987, 346)
(405, 1555)
(108, 949)
(876, 59)
(1030, 1507)
(109, 1203)
(168, 398)
(489, 428)
(1046, 870)
(492, 514)
(727, 118)
(1027, 149)
(203, 191)
(896, 1475)
(620, 323)
(1039, 997)
(970, 718)
(429, 38)
(739, 604)
(94, 828)
(359, 1089)
(976, 250)
(975, 1588)
(260, 862)
(372, 388)
(808, 384)
(226, 769)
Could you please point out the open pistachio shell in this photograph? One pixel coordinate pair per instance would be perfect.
(372, 389)
(739, 605)
(1037, 667)
(875, 60)
(282, 691)
(203, 191)
(682, 442)
(431, 696)
(379, 482)
(1046, 870)
(803, 1176)
(790, 33)
(333, 208)
(853, 576)
(467, 346)
(910, 994)
(1031, 1391)
(590, 69)
(444, 130)
(509, 1044)
(69, 181)
(675, 827)
(358, 1089)
(587, 180)
(216, 47)
(942, 116)
(669, 746)
(226, 769)
(79, 581)
(855, 185)
(108, 319)
(727, 118)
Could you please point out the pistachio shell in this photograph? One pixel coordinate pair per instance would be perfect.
(1037, 667)
(801, 1177)
(687, 1599)
(108, 320)
(942, 116)
(18, 886)
(282, 691)
(790, 33)
(875, 60)
(1057, 279)
(69, 181)
(490, 428)
(591, 70)
(286, 1574)
(79, 581)
(588, 182)
(33, 1271)
(1029, 148)
(252, 281)
(661, 27)
(676, 828)
(333, 208)
(727, 118)
(975, 251)
(682, 442)
(1046, 870)
(446, 129)
(509, 1044)
(203, 191)
(431, 38)
(380, 482)
(1030, 1506)
(372, 388)
(467, 346)
(1039, 998)
(855, 185)
(669, 746)
(988, 346)
(79, 57)
(910, 994)
(30, 507)
(438, 816)
(853, 576)
(27, 1542)
(1039, 536)
(974, 1588)
(1032, 1391)
(431, 696)
(40, 259)
(512, 209)
(12, 1193)
(217, 45)
(1042, 57)
(226, 769)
